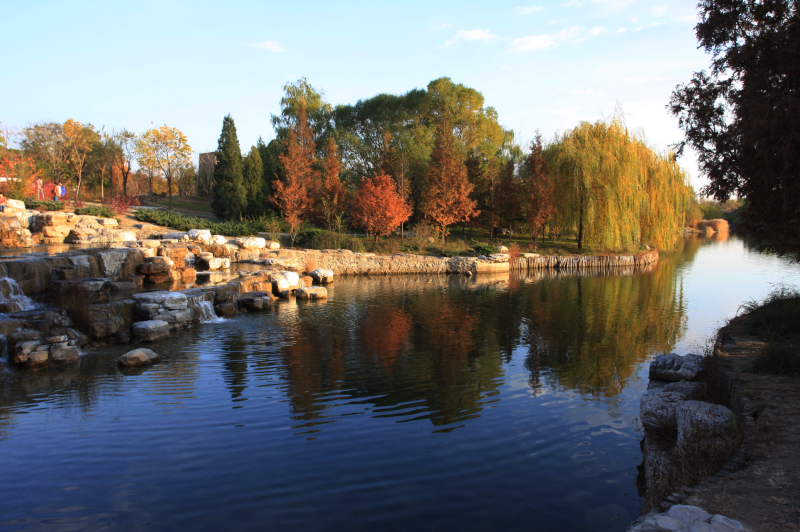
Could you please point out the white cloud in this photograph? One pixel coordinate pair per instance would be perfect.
(532, 43)
(613, 4)
(573, 3)
(659, 11)
(571, 35)
(528, 10)
(480, 35)
(269, 45)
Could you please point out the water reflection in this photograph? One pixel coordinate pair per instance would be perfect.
(424, 402)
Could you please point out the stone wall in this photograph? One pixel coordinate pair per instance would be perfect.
(534, 261)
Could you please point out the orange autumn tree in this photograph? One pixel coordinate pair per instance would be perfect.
(447, 200)
(332, 191)
(293, 192)
(21, 172)
(378, 207)
(539, 190)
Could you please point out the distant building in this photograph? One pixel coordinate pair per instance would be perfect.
(205, 173)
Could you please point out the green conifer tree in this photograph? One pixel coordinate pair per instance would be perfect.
(229, 192)
(253, 171)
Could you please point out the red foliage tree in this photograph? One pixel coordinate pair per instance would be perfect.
(447, 200)
(293, 193)
(378, 207)
(20, 173)
(539, 190)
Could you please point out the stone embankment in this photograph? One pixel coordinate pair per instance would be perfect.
(687, 437)
(533, 261)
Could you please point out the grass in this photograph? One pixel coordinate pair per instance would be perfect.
(776, 320)
(229, 228)
(189, 206)
(421, 239)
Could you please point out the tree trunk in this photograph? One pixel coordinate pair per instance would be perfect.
(169, 189)
(581, 214)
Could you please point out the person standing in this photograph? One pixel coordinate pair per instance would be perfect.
(39, 188)
(57, 192)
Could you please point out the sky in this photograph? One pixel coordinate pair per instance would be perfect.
(544, 65)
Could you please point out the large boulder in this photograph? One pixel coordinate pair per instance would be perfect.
(200, 235)
(684, 518)
(168, 300)
(674, 367)
(322, 275)
(252, 242)
(708, 435)
(312, 292)
(658, 406)
(150, 330)
(64, 354)
(15, 204)
(138, 357)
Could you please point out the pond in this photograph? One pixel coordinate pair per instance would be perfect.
(401, 403)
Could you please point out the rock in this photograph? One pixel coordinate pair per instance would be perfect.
(138, 357)
(252, 242)
(657, 408)
(64, 354)
(169, 300)
(200, 235)
(255, 301)
(306, 280)
(151, 243)
(273, 245)
(322, 276)
(38, 358)
(502, 249)
(225, 309)
(707, 436)
(673, 367)
(175, 236)
(150, 330)
(15, 204)
(683, 518)
(312, 293)
(112, 261)
(720, 523)
(688, 514)
(219, 240)
(280, 287)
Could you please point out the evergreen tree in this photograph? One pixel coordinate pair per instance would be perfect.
(229, 193)
(253, 172)
(273, 169)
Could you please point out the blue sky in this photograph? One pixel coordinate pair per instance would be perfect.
(544, 65)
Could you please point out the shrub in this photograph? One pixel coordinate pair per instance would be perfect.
(184, 223)
(96, 210)
(120, 204)
(777, 317)
(44, 205)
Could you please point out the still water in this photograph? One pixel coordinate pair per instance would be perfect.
(402, 403)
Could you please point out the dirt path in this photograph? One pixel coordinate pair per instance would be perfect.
(763, 488)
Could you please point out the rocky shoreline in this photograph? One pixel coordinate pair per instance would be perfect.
(136, 285)
(693, 429)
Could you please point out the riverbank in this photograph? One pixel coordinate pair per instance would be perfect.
(136, 283)
(748, 370)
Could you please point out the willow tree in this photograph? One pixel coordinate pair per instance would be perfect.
(614, 191)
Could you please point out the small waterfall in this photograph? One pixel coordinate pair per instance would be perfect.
(12, 298)
(204, 311)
